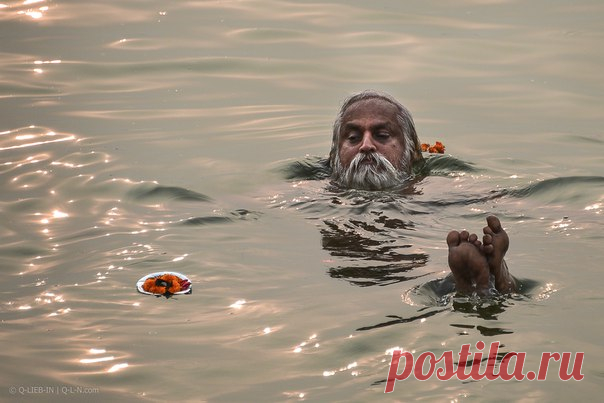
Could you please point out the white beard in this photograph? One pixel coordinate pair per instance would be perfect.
(379, 175)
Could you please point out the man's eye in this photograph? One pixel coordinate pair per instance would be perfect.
(383, 135)
(353, 137)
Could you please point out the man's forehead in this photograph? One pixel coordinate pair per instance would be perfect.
(372, 107)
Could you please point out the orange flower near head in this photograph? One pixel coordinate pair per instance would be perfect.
(437, 148)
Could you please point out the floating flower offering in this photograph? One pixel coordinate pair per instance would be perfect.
(164, 284)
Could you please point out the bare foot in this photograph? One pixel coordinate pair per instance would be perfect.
(495, 245)
(468, 263)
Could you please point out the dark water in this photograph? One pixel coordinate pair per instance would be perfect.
(138, 137)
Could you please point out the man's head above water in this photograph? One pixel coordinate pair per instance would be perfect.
(374, 142)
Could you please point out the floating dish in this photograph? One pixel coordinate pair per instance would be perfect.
(164, 283)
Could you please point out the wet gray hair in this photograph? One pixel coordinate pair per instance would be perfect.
(411, 148)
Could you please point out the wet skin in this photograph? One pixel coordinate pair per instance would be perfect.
(473, 262)
(371, 126)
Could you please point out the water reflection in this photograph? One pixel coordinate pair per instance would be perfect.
(30, 137)
(107, 358)
(397, 320)
(379, 238)
(30, 8)
(367, 242)
(372, 234)
(73, 235)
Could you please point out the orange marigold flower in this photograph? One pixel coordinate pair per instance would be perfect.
(149, 284)
(437, 148)
(167, 283)
(174, 287)
(164, 284)
(440, 147)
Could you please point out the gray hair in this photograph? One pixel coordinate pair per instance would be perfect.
(412, 148)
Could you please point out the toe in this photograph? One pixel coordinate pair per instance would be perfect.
(464, 235)
(453, 238)
(472, 238)
(494, 223)
(487, 241)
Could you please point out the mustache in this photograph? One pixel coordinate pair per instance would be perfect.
(369, 157)
(371, 171)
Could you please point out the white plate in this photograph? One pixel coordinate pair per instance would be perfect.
(139, 283)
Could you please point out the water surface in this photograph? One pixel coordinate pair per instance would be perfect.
(142, 136)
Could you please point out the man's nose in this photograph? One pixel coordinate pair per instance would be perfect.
(367, 145)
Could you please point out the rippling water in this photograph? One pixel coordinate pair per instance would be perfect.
(143, 136)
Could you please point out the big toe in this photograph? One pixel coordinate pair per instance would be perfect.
(453, 239)
(494, 223)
